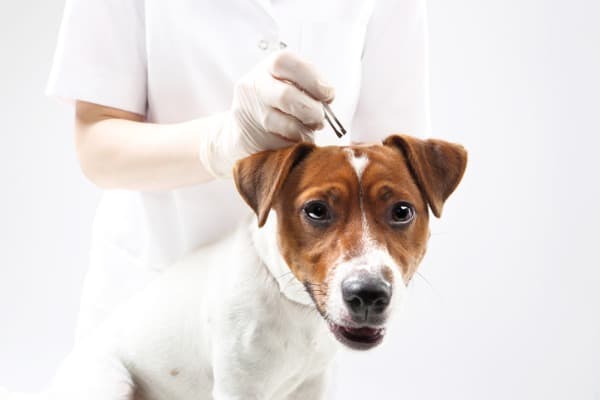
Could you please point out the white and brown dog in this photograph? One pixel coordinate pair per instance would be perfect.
(257, 315)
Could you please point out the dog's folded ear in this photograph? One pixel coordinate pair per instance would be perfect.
(259, 177)
(437, 166)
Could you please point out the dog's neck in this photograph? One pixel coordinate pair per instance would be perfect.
(265, 241)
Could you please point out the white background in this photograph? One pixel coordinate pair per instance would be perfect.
(511, 309)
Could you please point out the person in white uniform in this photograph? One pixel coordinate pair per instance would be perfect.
(168, 94)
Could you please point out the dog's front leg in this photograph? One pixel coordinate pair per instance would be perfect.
(92, 375)
(314, 388)
(218, 395)
(237, 385)
(239, 374)
(248, 357)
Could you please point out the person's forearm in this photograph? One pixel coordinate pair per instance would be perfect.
(276, 104)
(118, 150)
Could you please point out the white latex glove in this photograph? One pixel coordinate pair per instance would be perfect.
(275, 105)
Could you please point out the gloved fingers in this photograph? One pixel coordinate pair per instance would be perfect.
(291, 100)
(285, 65)
(285, 127)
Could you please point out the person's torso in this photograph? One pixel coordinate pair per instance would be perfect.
(196, 51)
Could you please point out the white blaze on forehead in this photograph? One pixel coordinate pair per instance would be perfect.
(359, 163)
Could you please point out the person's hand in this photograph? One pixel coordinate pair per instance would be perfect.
(279, 102)
(275, 105)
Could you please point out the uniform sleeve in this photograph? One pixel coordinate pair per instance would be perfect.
(100, 55)
(394, 89)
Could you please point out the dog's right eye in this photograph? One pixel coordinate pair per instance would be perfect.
(317, 211)
(401, 214)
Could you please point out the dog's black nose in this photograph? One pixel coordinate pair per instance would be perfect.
(366, 296)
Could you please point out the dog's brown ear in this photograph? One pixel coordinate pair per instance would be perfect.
(260, 176)
(437, 166)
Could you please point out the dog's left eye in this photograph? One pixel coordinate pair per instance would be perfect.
(401, 213)
(317, 211)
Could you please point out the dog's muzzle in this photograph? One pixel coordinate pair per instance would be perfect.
(366, 297)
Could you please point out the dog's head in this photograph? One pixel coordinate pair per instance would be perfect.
(353, 221)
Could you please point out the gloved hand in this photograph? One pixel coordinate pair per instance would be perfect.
(276, 104)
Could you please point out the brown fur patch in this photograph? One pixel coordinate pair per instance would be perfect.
(395, 173)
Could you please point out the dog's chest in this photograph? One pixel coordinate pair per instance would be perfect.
(242, 331)
(293, 345)
(280, 341)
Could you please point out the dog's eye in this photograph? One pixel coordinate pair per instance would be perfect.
(317, 211)
(401, 213)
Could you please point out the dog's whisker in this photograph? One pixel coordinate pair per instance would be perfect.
(420, 275)
(290, 282)
(312, 284)
(284, 274)
(439, 233)
(417, 273)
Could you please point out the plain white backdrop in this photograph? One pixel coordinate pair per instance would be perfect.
(508, 305)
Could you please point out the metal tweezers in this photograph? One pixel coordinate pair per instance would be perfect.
(330, 117)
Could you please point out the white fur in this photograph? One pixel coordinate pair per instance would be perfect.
(358, 163)
(267, 248)
(229, 322)
(214, 326)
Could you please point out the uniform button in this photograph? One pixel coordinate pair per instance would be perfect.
(282, 45)
(263, 44)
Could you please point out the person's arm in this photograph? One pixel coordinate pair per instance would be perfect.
(394, 94)
(118, 149)
(105, 72)
(275, 105)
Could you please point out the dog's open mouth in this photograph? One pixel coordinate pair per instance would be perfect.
(363, 338)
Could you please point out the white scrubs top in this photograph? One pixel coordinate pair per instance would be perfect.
(178, 60)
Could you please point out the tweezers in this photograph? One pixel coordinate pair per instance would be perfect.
(330, 117)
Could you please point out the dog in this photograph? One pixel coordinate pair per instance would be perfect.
(336, 236)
